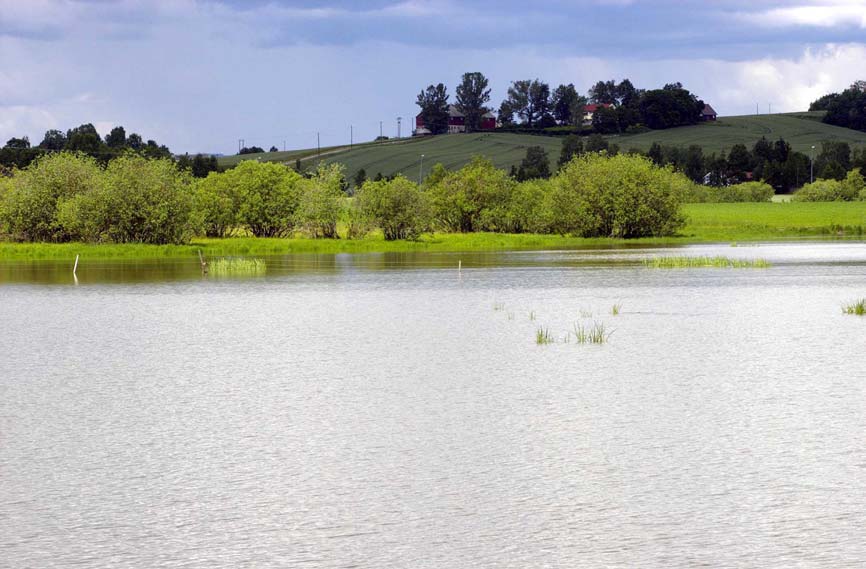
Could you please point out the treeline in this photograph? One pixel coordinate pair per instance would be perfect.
(774, 163)
(84, 139)
(846, 109)
(71, 197)
(531, 104)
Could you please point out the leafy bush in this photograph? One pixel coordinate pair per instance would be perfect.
(621, 196)
(745, 192)
(34, 195)
(268, 197)
(526, 211)
(322, 201)
(473, 198)
(397, 206)
(849, 189)
(137, 200)
(218, 202)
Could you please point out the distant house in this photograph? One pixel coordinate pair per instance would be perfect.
(456, 122)
(589, 111)
(708, 114)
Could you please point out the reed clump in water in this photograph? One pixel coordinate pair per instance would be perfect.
(543, 336)
(615, 309)
(857, 307)
(595, 334)
(704, 262)
(237, 267)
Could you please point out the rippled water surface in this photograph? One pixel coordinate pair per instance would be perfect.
(390, 411)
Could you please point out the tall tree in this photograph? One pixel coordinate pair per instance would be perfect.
(434, 108)
(116, 138)
(539, 101)
(534, 165)
(472, 98)
(563, 101)
(84, 139)
(572, 146)
(518, 100)
(135, 141)
(18, 143)
(603, 92)
(53, 140)
(505, 114)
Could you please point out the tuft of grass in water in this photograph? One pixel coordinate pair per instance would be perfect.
(615, 309)
(595, 334)
(585, 313)
(543, 336)
(532, 315)
(497, 306)
(857, 307)
(237, 267)
(510, 316)
(702, 262)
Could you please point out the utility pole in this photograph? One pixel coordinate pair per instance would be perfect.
(812, 164)
(769, 108)
(420, 169)
(318, 146)
(351, 135)
(380, 129)
(240, 145)
(757, 109)
(398, 126)
(284, 146)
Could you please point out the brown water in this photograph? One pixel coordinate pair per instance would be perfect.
(388, 411)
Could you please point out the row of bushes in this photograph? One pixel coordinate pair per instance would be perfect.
(852, 188)
(744, 192)
(65, 197)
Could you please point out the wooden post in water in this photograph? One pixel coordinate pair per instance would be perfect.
(75, 266)
(460, 268)
(203, 263)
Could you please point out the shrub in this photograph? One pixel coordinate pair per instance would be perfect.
(397, 206)
(820, 191)
(622, 196)
(34, 195)
(218, 202)
(321, 202)
(745, 192)
(268, 197)
(472, 198)
(137, 200)
(526, 212)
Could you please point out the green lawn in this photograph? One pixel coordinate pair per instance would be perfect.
(706, 223)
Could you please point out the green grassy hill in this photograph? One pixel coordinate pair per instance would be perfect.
(801, 130)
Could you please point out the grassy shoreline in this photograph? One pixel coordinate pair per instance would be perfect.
(707, 223)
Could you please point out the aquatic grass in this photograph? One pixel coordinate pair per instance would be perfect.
(857, 307)
(510, 315)
(237, 267)
(615, 309)
(532, 315)
(584, 313)
(595, 334)
(543, 336)
(497, 306)
(684, 262)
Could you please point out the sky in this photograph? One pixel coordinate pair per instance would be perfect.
(198, 75)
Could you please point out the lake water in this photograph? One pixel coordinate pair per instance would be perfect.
(389, 411)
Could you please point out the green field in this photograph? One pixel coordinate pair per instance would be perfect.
(706, 223)
(801, 130)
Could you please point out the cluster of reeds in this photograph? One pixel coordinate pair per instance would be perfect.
(614, 310)
(237, 267)
(497, 306)
(595, 334)
(702, 262)
(857, 307)
(543, 336)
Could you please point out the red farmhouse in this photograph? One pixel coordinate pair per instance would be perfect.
(456, 122)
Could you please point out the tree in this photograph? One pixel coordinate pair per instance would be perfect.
(694, 165)
(274, 149)
(135, 142)
(203, 165)
(739, 162)
(397, 206)
(530, 99)
(669, 107)
(244, 150)
(848, 108)
(18, 143)
(321, 201)
(472, 98)
(360, 178)
(53, 140)
(534, 165)
(84, 139)
(505, 114)
(471, 198)
(603, 92)
(539, 102)
(604, 121)
(596, 143)
(572, 146)
(434, 108)
(116, 138)
(564, 98)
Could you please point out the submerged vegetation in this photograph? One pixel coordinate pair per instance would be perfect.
(595, 334)
(237, 267)
(543, 336)
(857, 307)
(685, 262)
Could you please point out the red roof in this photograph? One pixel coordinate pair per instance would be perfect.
(594, 107)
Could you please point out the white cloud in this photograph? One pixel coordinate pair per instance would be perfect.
(829, 14)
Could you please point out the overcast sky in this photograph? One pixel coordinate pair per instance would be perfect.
(198, 75)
